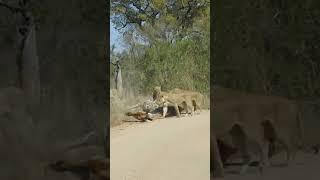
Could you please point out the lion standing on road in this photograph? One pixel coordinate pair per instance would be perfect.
(251, 111)
(197, 99)
(187, 100)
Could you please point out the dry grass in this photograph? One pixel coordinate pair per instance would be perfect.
(121, 105)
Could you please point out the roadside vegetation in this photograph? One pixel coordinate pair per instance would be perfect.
(167, 45)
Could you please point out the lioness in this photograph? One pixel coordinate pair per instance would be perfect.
(251, 110)
(239, 137)
(217, 166)
(166, 99)
(197, 99)
(186, 100)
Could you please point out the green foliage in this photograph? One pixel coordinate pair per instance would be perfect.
(183, 64)
(176, 65)
(268, 47)
(164, 51)
(144, 12)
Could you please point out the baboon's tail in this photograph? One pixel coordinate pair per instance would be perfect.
(129, 114)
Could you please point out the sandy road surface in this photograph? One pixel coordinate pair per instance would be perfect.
(305, 167)
(166, 149)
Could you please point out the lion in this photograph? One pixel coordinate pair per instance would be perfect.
(165, 99)
(217, 166)
(251, 151)
(197, 99)
(251, 111)
(238, 135)
(226, 151)
(242, 144)
(177, 98)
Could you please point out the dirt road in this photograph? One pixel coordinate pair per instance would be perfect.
(305, 167)
(166, 149)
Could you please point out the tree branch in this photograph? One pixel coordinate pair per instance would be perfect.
(147, 6)
(11, 8)
(123, 26)
(138, 7)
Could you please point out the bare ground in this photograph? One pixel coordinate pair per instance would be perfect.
(304, 167)
(166, 149)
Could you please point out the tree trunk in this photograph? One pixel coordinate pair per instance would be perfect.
(28, 61)
(118, 80)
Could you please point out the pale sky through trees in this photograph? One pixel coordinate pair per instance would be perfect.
(116, 38)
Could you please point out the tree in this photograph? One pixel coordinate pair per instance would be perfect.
(118, 75)
(167, 43)
(257, 40)
(145, 13)
(27, 56)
